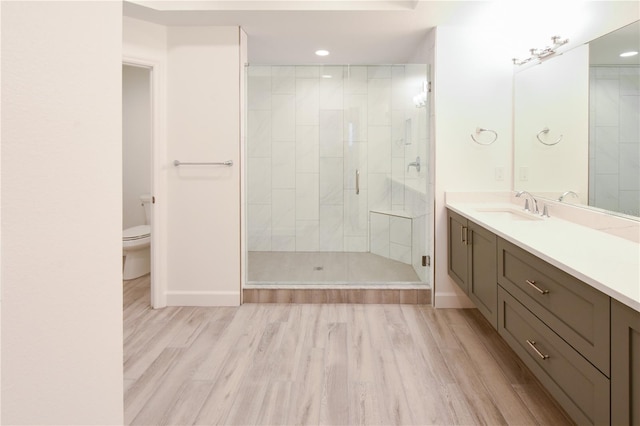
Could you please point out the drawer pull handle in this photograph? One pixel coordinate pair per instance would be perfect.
(532, 343)
(533, 284)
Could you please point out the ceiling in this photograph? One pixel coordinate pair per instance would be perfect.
(606, 50)
(386, 31)
(289, 32)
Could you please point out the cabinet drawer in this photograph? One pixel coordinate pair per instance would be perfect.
(576, 311)
(578, 386)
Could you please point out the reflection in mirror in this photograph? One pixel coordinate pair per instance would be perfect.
(551, 104)
(614, 125)
(589, 99)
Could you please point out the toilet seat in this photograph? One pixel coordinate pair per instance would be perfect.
(136, 233)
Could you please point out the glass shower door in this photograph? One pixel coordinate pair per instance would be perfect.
(356, 188)
(327, 173)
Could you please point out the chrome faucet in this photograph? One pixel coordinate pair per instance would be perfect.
(526, 202)
(568, 193)
(415, 164)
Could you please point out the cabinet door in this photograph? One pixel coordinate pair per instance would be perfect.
(579, 387)
(457, 248)
(482, 272)
(625, 365)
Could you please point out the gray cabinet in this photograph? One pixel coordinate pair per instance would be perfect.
(560, 327)
(472, 263)
(625, 365)
(580, 388)
(458, 256)
(483, 284)
(581, 344)
(577, 312)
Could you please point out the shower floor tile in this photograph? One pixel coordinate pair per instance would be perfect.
(326, 267)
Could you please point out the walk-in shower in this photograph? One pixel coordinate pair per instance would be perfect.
(338, 174)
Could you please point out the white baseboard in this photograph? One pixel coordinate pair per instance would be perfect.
(203, 298)
(451, 300)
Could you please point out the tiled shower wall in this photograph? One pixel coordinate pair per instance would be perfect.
(614, 149)
(309, 129)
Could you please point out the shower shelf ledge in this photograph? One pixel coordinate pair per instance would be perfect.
(399, 213)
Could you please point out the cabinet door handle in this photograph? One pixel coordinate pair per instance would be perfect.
(357, 182)
(532, 343)
(463, 235)
(533, 284)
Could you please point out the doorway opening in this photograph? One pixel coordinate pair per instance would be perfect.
(137, 174)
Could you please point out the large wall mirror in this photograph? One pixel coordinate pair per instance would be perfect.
(577, 125)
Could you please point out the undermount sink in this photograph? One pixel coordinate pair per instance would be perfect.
(509, 214)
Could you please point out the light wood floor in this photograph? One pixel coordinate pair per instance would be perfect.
(338, 364)
(333, 295)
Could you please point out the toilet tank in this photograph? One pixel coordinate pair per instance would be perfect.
(146, 203)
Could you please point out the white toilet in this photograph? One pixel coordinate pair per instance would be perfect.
(136, 242)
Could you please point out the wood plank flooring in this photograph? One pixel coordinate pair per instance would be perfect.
(336, 364)
(320, 295)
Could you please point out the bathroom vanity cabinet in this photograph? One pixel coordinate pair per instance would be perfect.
(560, 328)
(577, 312)
(582, 344)
(472, 263)
(625, 365)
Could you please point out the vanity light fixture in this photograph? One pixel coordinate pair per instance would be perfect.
(322, 52)
(542, 53)
(628, 54)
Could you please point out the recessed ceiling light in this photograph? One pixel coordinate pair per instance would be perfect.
(322, 52)
(327, 76)
(628, 54)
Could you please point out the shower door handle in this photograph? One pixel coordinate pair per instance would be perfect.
(357, 181)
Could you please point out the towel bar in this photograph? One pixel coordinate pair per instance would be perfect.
(224, 163)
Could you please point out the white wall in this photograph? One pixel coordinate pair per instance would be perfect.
(197, 75)
(136, 143)
(61, 213)
(472, 87)
(203, 202)
(243, 158)
(0, 245)
(144, 40)
(144, 43)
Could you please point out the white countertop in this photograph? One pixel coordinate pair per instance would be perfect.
(606, 262)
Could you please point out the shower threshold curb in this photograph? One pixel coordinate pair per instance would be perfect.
(335, 293)
(400, 285)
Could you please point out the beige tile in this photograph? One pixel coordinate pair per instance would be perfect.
(326, 267)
